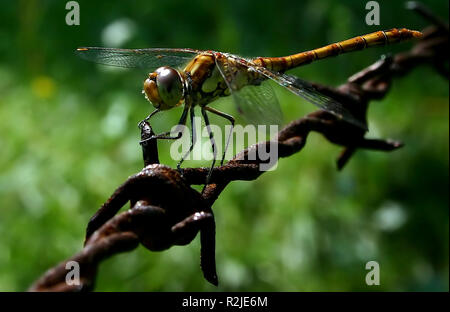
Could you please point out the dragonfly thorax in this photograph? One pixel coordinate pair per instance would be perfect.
(164, 88)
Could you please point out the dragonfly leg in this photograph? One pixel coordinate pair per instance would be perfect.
(213, 143)
(166, 135)
(141, 123)
(193, 139)
(231, 120)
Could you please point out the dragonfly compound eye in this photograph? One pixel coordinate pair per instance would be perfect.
(170, 87)
(151, 92)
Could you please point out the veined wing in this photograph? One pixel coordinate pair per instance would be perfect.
(258, 104)
(149, 59)
(307, 91)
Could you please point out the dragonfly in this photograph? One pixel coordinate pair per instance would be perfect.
(199, 77)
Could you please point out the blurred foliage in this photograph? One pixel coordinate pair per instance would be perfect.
(68, 138)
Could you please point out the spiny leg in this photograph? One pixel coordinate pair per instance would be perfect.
(141, 123)
(213, 143)
(229, 118)
(193, 139)
(166, 135)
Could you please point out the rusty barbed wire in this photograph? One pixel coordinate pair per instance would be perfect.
(166, 211)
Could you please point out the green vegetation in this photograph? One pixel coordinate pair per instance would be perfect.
(68, 138)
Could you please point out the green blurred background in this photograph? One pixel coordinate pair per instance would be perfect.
(68, 138)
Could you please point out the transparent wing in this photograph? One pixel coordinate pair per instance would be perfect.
(137, 58)
(311, 94)
(258, 104)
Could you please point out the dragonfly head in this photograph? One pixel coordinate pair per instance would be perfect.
(164, 88)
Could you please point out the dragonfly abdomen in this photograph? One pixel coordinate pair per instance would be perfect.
(379, 38)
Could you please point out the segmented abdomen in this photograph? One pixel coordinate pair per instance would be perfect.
(378, 38)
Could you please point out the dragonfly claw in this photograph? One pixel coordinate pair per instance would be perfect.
(179, 169)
